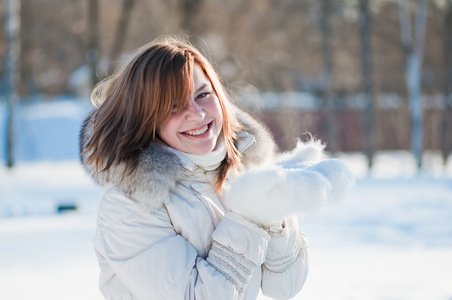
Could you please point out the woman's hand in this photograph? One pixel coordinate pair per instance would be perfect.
(300, 182)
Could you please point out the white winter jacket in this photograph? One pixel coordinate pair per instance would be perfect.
(163, 233)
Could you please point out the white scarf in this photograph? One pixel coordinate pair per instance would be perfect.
(209, 161)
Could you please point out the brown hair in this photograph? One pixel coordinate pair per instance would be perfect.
(136, 99)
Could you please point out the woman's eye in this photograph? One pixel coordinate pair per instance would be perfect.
(174, 109)
(202, 95)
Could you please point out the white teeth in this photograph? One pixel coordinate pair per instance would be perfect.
(199, 131)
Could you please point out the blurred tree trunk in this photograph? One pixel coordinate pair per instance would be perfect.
(328, 96)
(92, 50)
(12, 72)
(413, 44)
(364, 22)
(25, 84)
(447, 112)
(189, 9)
(121, 30)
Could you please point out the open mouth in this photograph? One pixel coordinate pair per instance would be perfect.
(199, 131)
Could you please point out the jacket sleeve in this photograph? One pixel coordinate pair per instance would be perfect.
(152, 261)
(286, 266)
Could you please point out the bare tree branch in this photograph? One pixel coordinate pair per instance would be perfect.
(12, 72)
(92, 53)
(405, 25)
(367, 78)
(446, 144)
(121, 30)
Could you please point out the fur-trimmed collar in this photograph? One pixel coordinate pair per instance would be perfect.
(159, 169)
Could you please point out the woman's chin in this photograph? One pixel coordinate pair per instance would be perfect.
(200, 146)
(201, 150)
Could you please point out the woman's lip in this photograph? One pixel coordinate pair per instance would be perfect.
(209, 125)
(201, 127)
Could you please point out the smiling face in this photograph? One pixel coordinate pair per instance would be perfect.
(196, 128)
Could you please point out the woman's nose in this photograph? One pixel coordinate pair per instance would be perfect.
(195, 112)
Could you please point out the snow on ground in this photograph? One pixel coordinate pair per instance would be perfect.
(45, 254)
(392, 239)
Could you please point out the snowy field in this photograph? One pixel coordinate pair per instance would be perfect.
(392, 239)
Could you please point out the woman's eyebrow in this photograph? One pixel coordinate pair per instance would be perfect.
(203, 86)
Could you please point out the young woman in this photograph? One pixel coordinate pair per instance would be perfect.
(191, 204)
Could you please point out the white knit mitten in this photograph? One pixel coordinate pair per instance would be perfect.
(301, 182)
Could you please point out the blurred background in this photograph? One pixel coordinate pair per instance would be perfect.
(373, 79)
(362, 75)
